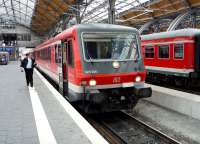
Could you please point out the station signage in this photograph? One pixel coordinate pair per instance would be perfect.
(8, 49)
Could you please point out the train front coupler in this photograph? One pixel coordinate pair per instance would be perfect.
(142, 92)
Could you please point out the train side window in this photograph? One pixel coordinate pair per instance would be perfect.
(149, 52)
(70, 57)
(58, 53)
(42, 54)
(178, 51)
(49, 53)
(163, 51)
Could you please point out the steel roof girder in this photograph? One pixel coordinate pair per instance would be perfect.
(177, 20)
(5, 6)
(13, 10)
(188, 3)
(146, 25)
(102, 5)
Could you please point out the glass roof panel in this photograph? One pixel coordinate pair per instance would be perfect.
(18, 11)
(97, 10)
(21, 11)
(2, 10)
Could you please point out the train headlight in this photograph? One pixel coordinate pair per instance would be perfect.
(138, 78)
(116, 64)
(92, 82)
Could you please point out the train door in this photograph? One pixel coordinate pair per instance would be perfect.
(63, 76)
(68, 73)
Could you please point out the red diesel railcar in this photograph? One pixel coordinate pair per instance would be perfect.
(173, 55)
(98, 66)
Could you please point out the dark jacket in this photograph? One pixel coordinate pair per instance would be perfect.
(24, 63)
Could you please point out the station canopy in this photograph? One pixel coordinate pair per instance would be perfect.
(131, 12)
(41, 15)
(38, 15)
(97, 11)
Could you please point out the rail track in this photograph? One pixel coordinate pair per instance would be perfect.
(111, 136)
(122, 128)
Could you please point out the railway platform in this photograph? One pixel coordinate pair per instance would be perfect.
(39, 114)
(182, 102)
(174, 112)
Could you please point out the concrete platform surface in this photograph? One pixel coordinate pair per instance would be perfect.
(17, 123)
(182, 102)
(40, 114)
(181, 127)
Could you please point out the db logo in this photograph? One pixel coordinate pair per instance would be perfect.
(116, 80)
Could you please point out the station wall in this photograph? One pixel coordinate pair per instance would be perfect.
(20, 31)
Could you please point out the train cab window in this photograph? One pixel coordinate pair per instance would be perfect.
(70, 56)
(149, 52)
(163, 51)
(178, 51)
(110, 46)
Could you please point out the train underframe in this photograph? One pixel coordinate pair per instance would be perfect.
(115, 99)
(192, 80)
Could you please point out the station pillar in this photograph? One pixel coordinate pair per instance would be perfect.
(111, 11)
(77, 11)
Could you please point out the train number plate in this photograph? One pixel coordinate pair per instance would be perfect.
(116, 80)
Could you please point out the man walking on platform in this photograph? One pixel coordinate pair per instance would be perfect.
(28, 63)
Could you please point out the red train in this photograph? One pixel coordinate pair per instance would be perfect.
(98, 66)
(173, 56)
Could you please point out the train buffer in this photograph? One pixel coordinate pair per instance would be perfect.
(39, 114)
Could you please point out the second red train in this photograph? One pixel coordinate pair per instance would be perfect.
(173, 56)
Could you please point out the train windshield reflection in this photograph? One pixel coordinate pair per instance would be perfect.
(110, 46)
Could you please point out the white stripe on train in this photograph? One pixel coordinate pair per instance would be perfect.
(183, 71)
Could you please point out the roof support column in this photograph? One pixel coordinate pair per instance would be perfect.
(194, 19)
(78, 15)
(65, 19)
(111, 12)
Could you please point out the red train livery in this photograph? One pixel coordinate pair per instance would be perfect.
(98, 66)
(173, 56)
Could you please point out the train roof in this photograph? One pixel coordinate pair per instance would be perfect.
(171, 34)
(104, 27)
(97, 27)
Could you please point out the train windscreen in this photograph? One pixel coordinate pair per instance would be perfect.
(110, 46)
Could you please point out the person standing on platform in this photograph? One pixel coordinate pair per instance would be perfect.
(28, 63)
